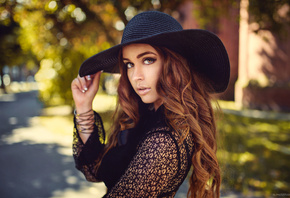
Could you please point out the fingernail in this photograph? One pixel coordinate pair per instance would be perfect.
(83, 91)
(89, 77)
(102, 71)
(85, 88)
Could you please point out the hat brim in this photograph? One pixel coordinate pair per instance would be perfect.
(204, 51)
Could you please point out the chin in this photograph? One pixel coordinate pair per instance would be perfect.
(148, 100)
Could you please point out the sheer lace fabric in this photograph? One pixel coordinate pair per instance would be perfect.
(86, 155)
(158, 168)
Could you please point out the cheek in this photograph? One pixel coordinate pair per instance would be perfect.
(157, 73)
(129, 76)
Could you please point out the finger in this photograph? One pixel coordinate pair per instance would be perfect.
(89, 77)
(97, 77)
(95, 81)
(83, 83)
(76, 84)
(89, 80)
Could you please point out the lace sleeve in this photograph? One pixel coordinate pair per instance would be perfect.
(152, 168)
(86, 155)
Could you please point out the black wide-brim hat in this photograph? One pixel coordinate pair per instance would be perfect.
(204, 51)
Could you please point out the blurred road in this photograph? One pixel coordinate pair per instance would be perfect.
(31, 168)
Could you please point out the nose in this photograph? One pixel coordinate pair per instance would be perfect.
(138, 73)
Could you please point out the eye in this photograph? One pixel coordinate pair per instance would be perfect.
(129, 65)
(149, 61)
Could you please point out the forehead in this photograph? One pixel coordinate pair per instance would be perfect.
(135, 49)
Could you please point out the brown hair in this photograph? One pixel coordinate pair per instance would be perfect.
(187, 108)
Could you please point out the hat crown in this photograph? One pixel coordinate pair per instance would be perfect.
(204, 51)
(148, 24)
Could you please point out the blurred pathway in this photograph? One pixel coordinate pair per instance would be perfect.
(34, 161)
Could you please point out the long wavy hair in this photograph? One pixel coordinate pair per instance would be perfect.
(187, 108)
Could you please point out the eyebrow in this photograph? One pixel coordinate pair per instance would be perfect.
(142, 54)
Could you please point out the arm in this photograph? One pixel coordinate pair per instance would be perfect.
(151, 169)
(86, 155)
(84, 90)
(88, 125)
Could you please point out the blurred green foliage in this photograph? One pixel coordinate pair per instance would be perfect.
(208, 12)
(255, 155)
(58, 35)
(271, 15)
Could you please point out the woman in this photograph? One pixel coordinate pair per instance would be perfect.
(164, 122)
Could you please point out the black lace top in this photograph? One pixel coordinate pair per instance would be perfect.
(148, 161)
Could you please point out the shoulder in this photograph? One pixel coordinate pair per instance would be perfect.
(159, 140)
(163, 132)
(159, 137)
(159, 149)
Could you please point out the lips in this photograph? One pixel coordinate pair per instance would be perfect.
(143, 90)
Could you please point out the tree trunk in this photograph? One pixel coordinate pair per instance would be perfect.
(3, 87)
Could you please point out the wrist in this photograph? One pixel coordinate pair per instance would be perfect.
(80, 110)
(85, 121)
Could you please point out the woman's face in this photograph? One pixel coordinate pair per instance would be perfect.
(144, 66)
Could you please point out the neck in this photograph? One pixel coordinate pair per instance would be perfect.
(157, 104)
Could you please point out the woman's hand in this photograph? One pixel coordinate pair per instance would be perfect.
(84, 90)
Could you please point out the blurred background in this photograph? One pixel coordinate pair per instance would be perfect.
(43, 43)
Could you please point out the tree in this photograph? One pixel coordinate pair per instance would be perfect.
(62, 34)
(10, 50)
(58, 35)
(268, 14)
(271, 15)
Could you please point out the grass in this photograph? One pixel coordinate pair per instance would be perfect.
(255, 154)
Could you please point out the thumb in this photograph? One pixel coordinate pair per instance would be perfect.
(96, 82)
(97, 78)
